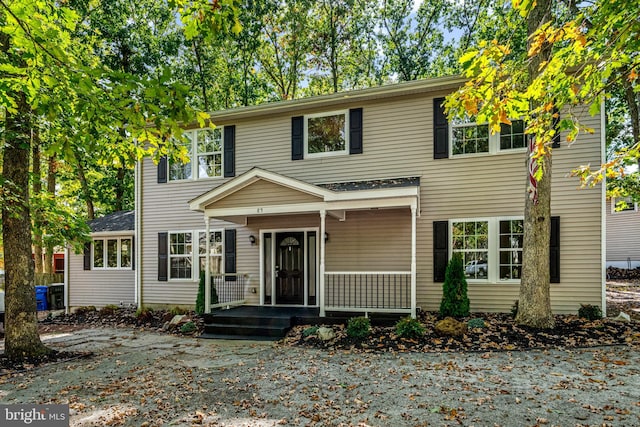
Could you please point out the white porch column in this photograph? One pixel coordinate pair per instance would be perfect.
(413, 260)
(323, 215)
(207, 261)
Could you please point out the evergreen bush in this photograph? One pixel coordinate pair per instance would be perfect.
(188, 328)
(589, 312)
(407, 327)
(200, 295)
(358, 327)
(455, 302)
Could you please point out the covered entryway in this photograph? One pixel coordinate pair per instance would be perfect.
(367, 217)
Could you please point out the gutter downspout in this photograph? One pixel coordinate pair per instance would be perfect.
(137, 232)
(603, 213)
(66, 280)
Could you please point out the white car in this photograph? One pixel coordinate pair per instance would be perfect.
(476, 268)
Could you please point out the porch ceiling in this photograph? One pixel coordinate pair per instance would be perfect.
(259, 192)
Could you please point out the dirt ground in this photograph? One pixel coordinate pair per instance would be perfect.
(136, 377)
(143, 378)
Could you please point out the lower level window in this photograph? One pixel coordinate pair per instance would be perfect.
(471, 240)
(491, 248)
(187, 256)
(180, 255)
(112, 253)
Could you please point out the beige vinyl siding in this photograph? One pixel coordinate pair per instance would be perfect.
(261, 193)
(99, 287)
(397, 142)
(623, 235)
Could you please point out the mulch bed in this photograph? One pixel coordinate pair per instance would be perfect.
(499, 334)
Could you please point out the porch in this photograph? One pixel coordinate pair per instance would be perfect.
(368, 265)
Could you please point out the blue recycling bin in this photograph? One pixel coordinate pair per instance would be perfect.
(41, 298)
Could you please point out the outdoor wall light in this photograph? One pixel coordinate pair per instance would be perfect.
(252, 240)
(326, 236)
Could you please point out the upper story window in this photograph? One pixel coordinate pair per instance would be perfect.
(112, 253)
(623, 204)
(204, 148)
(468, 137)
(326, 134)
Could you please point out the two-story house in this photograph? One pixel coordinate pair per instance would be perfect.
(355, 202)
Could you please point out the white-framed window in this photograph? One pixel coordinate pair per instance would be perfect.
(204, 148)
(112, 253)
(185, 263)
(215, 251)
(326, 134)
(468, 137)
(181, 255)
(623, 204)
(491, 248)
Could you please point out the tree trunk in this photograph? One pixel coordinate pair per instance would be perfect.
(534, 305)
(21, 325)
(51, 189)
(37, 189)
(84, 185)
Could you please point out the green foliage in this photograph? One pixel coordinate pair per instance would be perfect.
(312, 330)
(589, 312)
(476, 323)
(108, 310)
(177, 311)
(407, 327)
(358, 327)
(188, 328)
(455, 302)
(200, 295)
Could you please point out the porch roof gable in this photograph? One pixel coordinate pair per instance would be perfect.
(330, 197)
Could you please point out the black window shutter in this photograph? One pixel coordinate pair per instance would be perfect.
(230, 252)
(162, 170)
(355, 131)
(440, 249)
(297, 138)
(440, 130)
(87, 257)
(133, 252)
(554, 250)
(556, 127)
(163, 264)
(229, 151)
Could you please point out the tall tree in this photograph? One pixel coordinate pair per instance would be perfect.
(45, 71)
(576, 53)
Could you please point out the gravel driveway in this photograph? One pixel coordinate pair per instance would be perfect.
(143, 378)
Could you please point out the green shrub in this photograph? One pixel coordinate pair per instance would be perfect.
(514, 308)
(476, 323)
(407, 327)
(200, 296)
(188, 328)
(358, 327)
(310, 331)
(108, 310)
(177, 311)
(589, 312)
(455, 302)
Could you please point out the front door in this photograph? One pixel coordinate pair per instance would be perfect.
(289, 268)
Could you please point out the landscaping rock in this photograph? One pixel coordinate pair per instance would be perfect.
(451, 327)
(178, 319)
(326, 334)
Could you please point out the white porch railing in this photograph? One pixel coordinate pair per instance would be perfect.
(227, 289)
(369, 291)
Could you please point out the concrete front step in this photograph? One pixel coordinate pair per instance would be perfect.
(245, 330)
